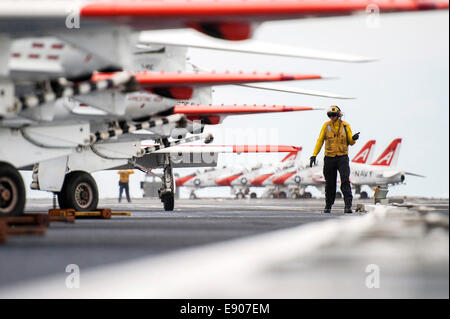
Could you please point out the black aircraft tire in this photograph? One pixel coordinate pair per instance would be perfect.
(363, 195)
(169, 202)
(240, 196)
(253, 195)
(79, 192)
(12, 191)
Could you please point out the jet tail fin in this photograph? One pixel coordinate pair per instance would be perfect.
(365, 154)
(390, 155)
(291, 156)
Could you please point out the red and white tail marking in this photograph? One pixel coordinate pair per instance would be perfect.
(364, 154)
(390, 155)
(290, 156)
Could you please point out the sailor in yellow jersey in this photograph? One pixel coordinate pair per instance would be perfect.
(337, 135)
(123, 183)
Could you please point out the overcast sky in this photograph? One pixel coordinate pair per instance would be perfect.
(404, 94)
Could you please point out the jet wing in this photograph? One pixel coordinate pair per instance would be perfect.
(271, 86)
(26, 68)
(223, 19)
(294, 90)
(227, 149)
(179, 85)
(414, 174)
(190, 38)
(208, 110)
(164, 79)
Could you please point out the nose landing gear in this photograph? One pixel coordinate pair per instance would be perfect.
(167, 191)
(168, 200)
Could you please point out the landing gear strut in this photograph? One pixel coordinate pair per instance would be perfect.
(79, 192)
(240, 195)
(166, 193)
(12, 191)
(301, 194)
(295, 195)
(192, 195)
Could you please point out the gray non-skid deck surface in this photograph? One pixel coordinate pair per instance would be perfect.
(148, 231)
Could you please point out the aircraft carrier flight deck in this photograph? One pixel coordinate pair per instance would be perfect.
(282, 248)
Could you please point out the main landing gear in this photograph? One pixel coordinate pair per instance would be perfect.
(192, 195)
(79, 192)
(297, 195)
(12, 191)
(167, 191)
(240, 195)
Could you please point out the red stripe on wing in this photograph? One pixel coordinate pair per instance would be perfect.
(264, 148)
(235, 109)
(212, 10)
(164, 79)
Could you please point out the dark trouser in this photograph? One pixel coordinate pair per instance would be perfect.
(124, 186)
(330, 168)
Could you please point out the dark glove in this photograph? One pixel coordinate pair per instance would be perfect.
(356, 136)
(312, 161)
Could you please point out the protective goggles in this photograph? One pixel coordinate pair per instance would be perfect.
(332, 114)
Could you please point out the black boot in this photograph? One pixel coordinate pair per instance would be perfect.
(348, 210)
(327, 209)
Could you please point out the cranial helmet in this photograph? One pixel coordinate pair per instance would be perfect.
(334, 110)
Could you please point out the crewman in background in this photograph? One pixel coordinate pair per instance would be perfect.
(123, 183)
(337, 135)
